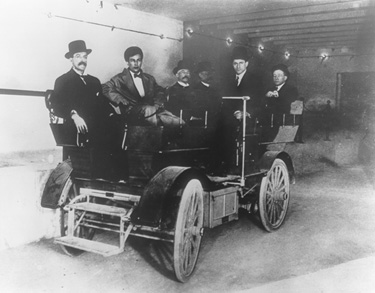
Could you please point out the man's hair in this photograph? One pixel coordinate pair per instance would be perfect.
(281, 67)
(131, 51)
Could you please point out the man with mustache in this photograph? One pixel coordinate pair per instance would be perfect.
(79, 100)
(181, 95)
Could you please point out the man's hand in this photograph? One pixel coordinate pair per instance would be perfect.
(80, 124)
(271, 94)
(239, 115)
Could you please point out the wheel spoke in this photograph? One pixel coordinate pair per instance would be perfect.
(274, 196)
(189, 222)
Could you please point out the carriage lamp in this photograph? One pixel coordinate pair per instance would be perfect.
(260, 48)
(287, 55)
(229, 41)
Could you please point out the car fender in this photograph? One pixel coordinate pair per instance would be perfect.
(266, 161)
(159, 194)
(55, 185)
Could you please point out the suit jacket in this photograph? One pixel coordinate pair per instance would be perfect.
(180, 98)
(122, 90)
(206, 99)
(251, 85)
(281, 105)
(71, 93)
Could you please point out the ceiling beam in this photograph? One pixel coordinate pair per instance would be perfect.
(316, 8)
(291, 32)
(316, 40)
(304, 25)
(360, 13)
(335, 34)
(325, 42)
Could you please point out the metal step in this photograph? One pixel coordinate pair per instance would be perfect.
(99, 208)
(89, 245)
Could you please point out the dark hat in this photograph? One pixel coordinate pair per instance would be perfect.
(240, 53)
(131, 51)
(75, 47)
(183, 64)
(204, 66)
(281, 67)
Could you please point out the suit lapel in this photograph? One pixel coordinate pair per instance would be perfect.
(128, 79)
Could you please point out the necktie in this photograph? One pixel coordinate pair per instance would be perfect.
(139, 75)
(237, 80)
(83, 78)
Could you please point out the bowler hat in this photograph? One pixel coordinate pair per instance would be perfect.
(281, 67)
(204, 66)
(75, 47)
(183, 64)
(240, 53)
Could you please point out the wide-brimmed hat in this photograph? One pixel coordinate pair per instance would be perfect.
(240, 53)
(75, 47)
(183, 64)
(204, 66)
(281, 67)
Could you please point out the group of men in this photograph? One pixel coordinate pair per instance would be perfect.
(134, 97)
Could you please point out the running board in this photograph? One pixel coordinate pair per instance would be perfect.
(88, 245)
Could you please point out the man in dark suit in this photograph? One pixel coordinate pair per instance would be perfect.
(134, 93)
(181, 94)
(282, 94)
(207, 98)
(242, 83)
(278, 100)
(78, 98)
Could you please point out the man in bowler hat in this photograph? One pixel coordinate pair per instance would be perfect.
(280, 96)
(181, 94)
(240, 83)
(78, 98)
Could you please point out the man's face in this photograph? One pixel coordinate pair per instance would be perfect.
(205, 76)
(279, 77)
(79, 61)
(240, 65)
(183, 75)
(135, 63)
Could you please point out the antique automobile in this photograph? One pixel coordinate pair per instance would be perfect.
(171, 193)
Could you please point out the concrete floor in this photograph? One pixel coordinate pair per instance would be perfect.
(327, 244)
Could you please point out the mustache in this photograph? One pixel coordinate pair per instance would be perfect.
(82, 63)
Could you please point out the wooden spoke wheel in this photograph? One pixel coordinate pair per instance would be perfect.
(70, 192)
(188, 230)
(274, 196)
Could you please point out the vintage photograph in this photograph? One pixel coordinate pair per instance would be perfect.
(162, 146)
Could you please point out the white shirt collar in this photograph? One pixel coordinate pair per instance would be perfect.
(280, 86)
(76, 71)
(240, 76)
(183, 84)
(205, 84)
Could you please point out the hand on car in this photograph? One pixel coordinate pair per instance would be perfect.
(239, 115)
(80, 124)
